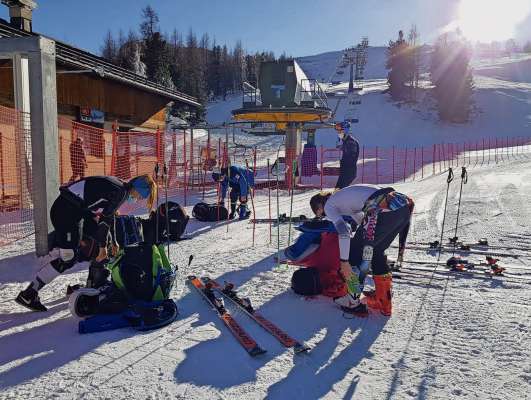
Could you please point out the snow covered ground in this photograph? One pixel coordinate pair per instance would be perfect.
(502, 105)
(450, 336)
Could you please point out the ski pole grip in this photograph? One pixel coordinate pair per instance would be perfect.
(464, 175)
(156, 170)
(450, 175)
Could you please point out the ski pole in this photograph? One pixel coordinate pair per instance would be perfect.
(449, 179)
(278, 208)
(464, 180)
(269, 201)
(157, 210)
(165, 183)
(252, 199)
(293, 166)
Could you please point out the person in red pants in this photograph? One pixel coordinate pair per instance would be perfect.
(381, 214)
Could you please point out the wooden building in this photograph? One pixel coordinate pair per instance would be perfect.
(93, 91)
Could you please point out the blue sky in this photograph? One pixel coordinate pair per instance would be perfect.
(297, 27)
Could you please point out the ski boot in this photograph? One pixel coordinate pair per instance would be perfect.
(434, 244)
(351, 304)
(497, 270)
(29, 298)
(72, 288)
(381, 298)
(243, 212)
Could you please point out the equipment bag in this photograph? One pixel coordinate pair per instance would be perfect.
(306, 282)
(178, 219)
(210, 212)
(128, 230)
(143, 272)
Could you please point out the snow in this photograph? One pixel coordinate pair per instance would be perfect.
(450, 336)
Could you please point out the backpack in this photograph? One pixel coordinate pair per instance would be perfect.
(178, 219)
(143, 272)
(128, 230)
(210, 212)
(306, 282)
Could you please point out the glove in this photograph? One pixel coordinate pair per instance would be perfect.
(364, 266)
(102, 255)
(115, 248)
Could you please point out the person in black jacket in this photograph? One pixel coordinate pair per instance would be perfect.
(82, 216)
(347, 166)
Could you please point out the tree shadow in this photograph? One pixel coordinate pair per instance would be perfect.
(317, 320)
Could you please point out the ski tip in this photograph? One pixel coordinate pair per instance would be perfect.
(257, 351)
(300, 348)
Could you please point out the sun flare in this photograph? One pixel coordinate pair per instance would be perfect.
(491, 20)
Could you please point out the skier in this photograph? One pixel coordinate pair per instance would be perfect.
(82, 216)
(347, 165)
(381, 214)
(240, 180)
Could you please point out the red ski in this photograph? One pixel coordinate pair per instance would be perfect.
(244, 304)
(247, 342)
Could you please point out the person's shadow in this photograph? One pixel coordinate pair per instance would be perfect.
(315, 321)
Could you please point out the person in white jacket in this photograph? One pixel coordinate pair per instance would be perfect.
(380, 214)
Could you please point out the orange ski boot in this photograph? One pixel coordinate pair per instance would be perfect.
(384, 294)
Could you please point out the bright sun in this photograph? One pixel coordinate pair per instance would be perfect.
(490, 20)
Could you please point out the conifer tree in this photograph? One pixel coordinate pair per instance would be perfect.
(451, 76)
(397, 62)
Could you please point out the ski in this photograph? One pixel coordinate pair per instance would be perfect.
(283, 219)
(482, 244)
(468, 269)
(446, 249)
(246, 341)
(244, 304)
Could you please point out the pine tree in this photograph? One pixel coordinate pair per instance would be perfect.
(398, 62)
(109, 49)
(527, 47)
(414, 61)
(452, 78)
(156, 55)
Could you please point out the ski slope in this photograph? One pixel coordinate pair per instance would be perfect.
(502, 104)
(450, 337)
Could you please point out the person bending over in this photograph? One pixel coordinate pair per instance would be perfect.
(240, 180)
(82, 216)
(381, 214)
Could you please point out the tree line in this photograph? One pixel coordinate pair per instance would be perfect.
(200, 67)
(448, 69)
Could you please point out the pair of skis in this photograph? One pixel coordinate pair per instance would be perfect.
(209, 289)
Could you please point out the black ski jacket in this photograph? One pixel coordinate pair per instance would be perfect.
(97, 196)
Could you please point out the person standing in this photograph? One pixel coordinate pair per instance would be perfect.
(350, 149)
(78, 160)
(381, 214)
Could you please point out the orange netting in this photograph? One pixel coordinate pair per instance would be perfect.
(191, 156)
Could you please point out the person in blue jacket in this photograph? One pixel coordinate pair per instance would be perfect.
(240, 180)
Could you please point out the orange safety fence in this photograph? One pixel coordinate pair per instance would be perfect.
(192, 155)
(16, 201)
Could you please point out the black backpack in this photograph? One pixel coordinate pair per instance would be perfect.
(305, 281)
(128, 230)
(178, 219)
(210, 212)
